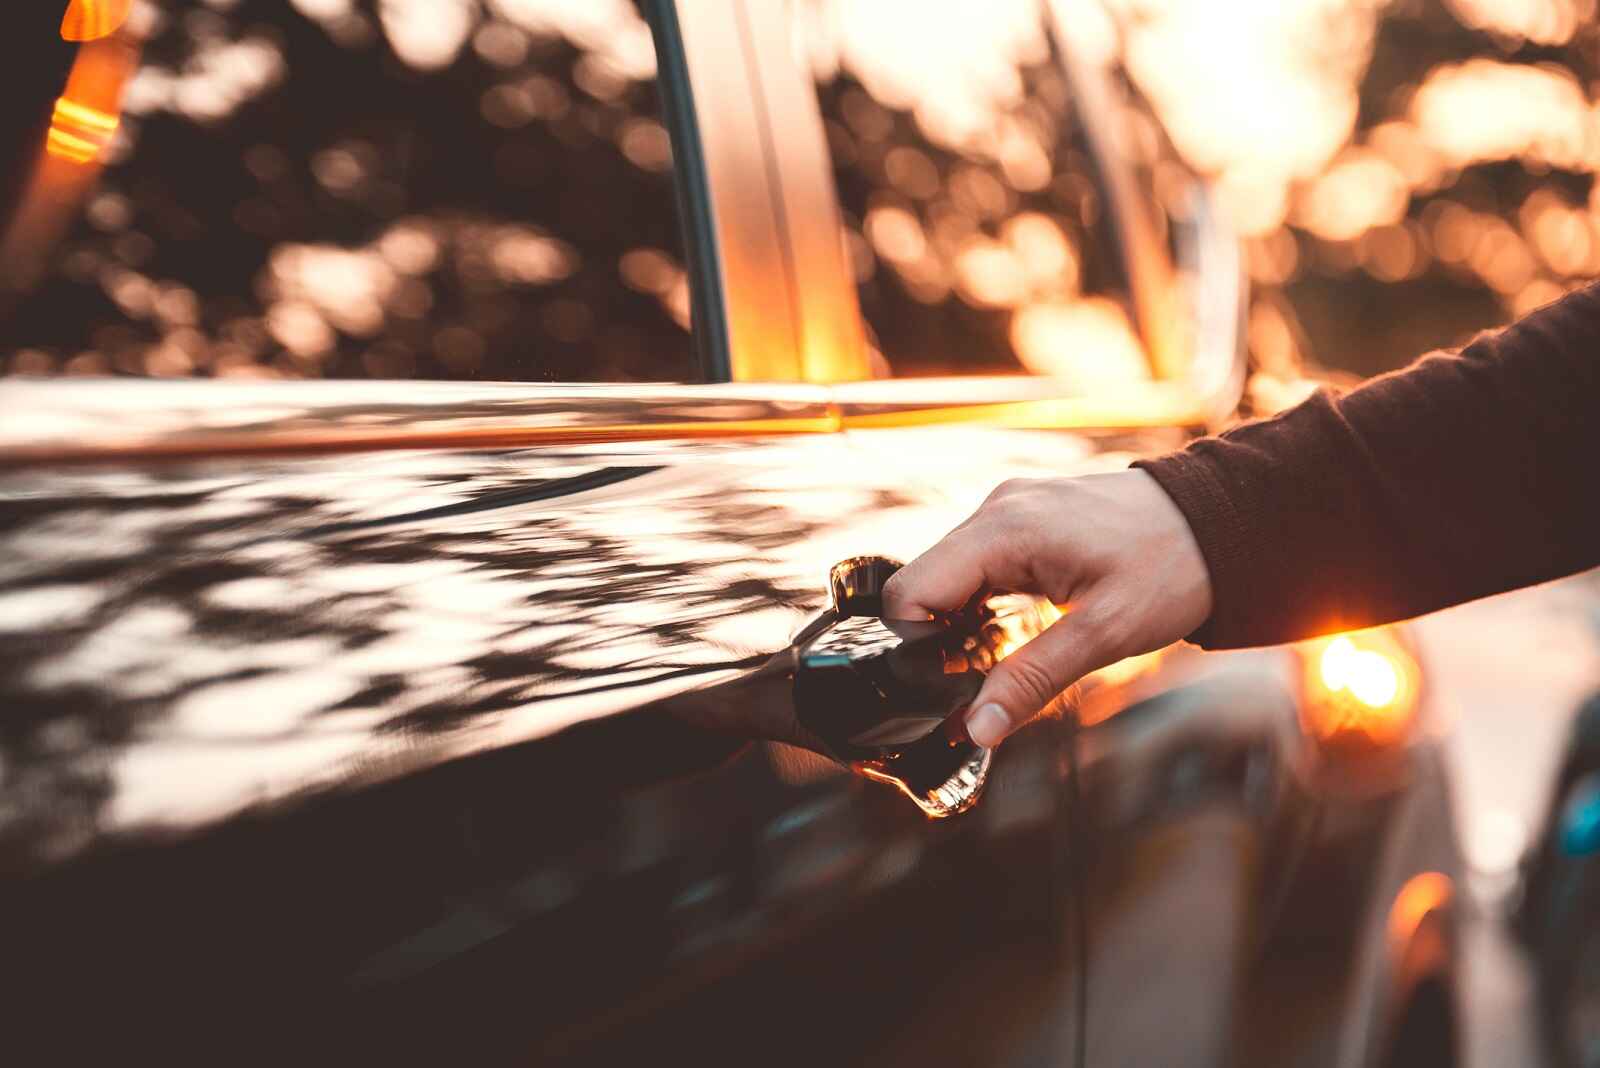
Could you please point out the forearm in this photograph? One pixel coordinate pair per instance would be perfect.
(1458, 477)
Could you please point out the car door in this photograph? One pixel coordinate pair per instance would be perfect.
(372, 713)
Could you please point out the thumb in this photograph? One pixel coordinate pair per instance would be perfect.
(1030, 678)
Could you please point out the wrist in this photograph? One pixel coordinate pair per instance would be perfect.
(1175, 553)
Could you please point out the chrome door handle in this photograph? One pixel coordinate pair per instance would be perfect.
(886, 695)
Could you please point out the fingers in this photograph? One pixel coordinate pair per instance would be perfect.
(940, 580)
(1022, 684)
(971, 558)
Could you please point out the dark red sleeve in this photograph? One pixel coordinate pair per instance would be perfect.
(1460, 476)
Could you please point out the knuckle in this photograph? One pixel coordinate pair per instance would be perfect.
(1009, 488)
(1031, 683)
(1002, 515)
(1017, 523)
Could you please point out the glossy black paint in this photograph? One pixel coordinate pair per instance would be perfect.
(495, 754)
(394, 721)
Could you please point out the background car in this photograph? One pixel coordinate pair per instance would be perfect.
(1558, 897)
(427, 717)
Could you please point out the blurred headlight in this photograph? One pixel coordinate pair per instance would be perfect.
(1359, 691)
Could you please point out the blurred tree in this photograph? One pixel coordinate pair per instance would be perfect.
(387, 188)
(1461, 199)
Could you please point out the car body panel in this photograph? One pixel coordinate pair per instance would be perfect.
(415, 720)
(503, 733)
(271, 687)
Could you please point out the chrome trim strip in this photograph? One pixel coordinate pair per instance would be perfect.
(121, 420)
(1018, 402)
(125, 420)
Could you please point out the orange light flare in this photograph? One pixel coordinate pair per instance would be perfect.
(1018, 619)
(1422, 894)
(1104, 693)
(1360, 689)
(91, 20)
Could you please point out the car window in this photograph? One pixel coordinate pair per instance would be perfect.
(976, 221)
(434, 189)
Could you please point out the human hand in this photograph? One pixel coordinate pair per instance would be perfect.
(1112, 550)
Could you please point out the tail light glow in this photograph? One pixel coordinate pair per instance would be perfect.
(1360, 690)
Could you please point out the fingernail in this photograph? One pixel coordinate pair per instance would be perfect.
(988, 725)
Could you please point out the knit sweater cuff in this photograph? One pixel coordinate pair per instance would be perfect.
(1220, 528)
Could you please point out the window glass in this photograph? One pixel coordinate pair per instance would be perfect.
(976, 220)
(440, 189)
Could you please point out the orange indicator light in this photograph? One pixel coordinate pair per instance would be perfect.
(90, 20)
(1360, 687)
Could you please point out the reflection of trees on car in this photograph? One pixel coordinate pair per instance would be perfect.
(373, 634)
(323, 189)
